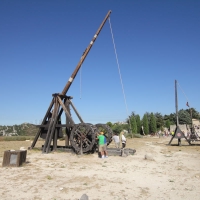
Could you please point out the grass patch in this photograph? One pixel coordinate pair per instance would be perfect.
(49, 177)
(16, 138)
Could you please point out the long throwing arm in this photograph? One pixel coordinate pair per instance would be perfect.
(67, 86)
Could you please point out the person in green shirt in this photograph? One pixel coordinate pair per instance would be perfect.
(102, 145)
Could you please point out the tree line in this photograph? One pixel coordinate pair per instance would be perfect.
(153, 122)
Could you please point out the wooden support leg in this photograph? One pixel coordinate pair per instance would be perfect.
(55, 139)
(55, 119)
(43, 122)
(68, 129)
(179, 141)
(67, 137)
(171, 140)
(47, 136)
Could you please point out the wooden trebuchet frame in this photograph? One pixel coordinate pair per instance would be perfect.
(51, 127)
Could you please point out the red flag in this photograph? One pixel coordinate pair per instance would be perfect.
(187, 104)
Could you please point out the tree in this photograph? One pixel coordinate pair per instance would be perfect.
(167, 123)
(159, 120)
(152, 125)
(133, 124)
(184, 117)
(109, 124)
(138, 122)
(171, 118)
(145, 124)
(117, 128)
(148, 114)
(128, 119)
(195, 114)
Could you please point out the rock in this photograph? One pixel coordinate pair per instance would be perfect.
(84, 197)
(148, 156)
(123, 153)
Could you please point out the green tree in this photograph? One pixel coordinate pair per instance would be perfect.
(152, 125)
(159, 120)
(167, 123)
(148, 114)
(109, 124)
(138, 122)
(117, 128)
(171, 118)
(184, 117)
(145, 124)
(133, 124)
(128, 119)
(126, 127)
(194, 112)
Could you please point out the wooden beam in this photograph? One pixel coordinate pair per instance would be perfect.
(65, 109)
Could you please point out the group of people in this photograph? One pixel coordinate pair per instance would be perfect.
(103, 143)
(116, 140)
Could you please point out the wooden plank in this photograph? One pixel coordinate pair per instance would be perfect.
(65, 109)
(46, 143)
(55, 115)
(44, 120)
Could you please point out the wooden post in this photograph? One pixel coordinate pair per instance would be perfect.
(55, 138)
(43, 122)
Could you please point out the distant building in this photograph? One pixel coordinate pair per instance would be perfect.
(195, 122)
(185, 127)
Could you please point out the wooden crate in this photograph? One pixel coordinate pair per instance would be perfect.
(14, 158)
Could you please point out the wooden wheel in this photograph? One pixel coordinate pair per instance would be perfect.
(84, 132)
(107, 132)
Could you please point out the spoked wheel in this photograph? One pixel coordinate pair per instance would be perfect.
(85, 133)
(107, 132)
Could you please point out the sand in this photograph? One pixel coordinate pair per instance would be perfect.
(170, 172)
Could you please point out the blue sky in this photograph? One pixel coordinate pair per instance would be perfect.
(41, 43)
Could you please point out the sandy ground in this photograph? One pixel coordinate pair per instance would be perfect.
(174, 173)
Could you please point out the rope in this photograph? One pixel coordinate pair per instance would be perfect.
(183, 93)
(119, 69)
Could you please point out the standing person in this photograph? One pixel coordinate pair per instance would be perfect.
(123, 140)
(102, 145)
(116, 140)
